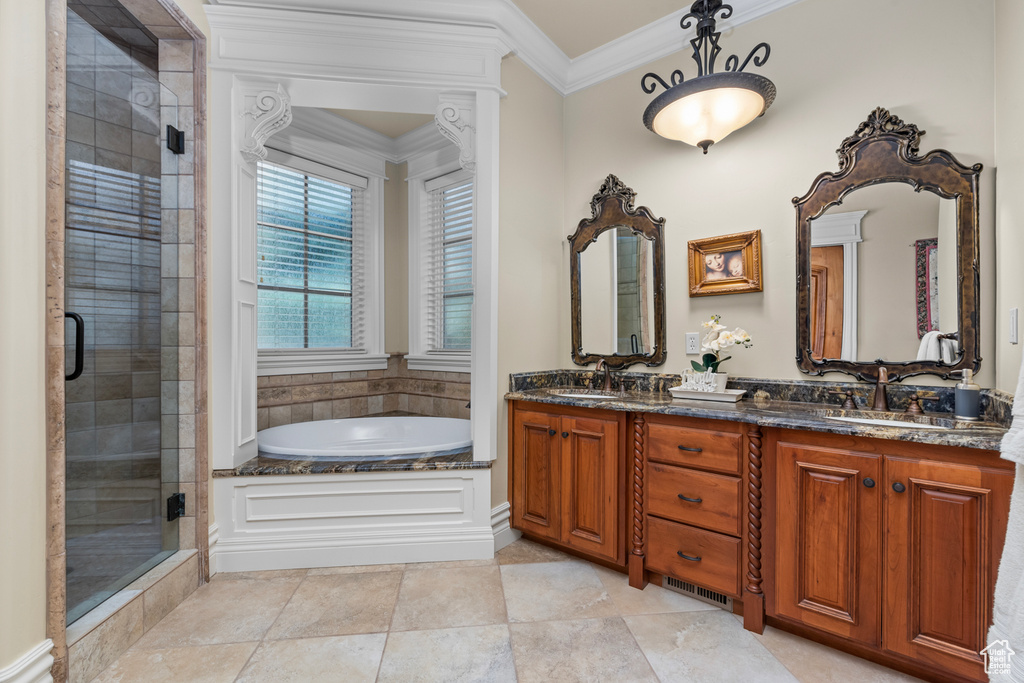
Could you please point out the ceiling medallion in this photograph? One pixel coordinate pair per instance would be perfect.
(705, 109)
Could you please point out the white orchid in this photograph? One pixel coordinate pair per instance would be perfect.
(716, 340)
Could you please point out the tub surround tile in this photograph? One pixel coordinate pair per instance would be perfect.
(202, 664)
(480, 653)
(579, 650)
(316, 659)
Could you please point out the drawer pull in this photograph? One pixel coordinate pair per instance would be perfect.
(687, 557)
(692, 450)
(552, 432)
(689, 500)
(565, 435)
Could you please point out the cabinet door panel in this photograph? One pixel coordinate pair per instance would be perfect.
(944, 533)
(536, 471)
(828, 547)
(591, 484)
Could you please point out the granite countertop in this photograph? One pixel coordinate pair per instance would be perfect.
(774, 403)
(264, 465)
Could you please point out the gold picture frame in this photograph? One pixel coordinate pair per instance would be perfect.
(729, 264)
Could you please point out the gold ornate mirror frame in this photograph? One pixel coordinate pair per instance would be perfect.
(612, 207)
(884, 149)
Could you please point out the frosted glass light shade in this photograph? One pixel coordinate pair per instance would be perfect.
(703, 111)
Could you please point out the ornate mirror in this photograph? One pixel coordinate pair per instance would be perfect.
(617, 268)
(887, 259)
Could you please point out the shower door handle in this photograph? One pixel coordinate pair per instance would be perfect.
(79, 346)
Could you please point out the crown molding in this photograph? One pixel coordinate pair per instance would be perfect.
(337, 130)
(465, 18)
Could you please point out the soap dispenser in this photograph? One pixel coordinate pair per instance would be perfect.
(967, 399)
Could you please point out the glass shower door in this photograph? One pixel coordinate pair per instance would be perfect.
(121, 413)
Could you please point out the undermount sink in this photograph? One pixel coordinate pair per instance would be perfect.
(584, 394)
(872, 422)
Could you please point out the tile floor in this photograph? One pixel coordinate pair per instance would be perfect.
(530, 614)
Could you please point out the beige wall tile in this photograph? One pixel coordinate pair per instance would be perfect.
(99, 648)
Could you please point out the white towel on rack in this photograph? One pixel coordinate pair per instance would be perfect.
(934, 347)
(1008, 610)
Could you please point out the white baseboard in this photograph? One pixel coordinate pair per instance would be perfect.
(32, 667)
(212, 553)
(503, 533)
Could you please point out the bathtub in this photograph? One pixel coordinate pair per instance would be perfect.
(364, 436)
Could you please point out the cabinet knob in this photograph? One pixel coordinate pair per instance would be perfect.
(552, 432)
(692, 450)
(689, 500)
(687, 557)
(898, 487)
(869, 482)
(565, 435)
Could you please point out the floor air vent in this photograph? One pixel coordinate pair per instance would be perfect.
(698, 593)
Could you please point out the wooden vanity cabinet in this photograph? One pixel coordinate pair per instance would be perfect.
(891, 545)
(568, 480)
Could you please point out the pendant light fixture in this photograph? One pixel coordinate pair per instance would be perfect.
(705, 109)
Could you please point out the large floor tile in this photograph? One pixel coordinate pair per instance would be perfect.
(203, 664)
(448, 598)
(554, 590)
(357, 569)
(578, 650)
(354, 659)
(222, 612)
(525, 551)
(453, 564)
(296, 574)
(339, 604)
(704, 646)
(651, 600)
(475, 653)
(815, 663)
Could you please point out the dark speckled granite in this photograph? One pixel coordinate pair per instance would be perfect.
(781, 403)
(263, 465)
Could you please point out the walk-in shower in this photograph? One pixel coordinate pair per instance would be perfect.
(120, 287)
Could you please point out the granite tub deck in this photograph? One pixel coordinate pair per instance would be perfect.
(266, 465)
(778, 403)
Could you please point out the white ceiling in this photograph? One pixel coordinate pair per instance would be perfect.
(579, 26)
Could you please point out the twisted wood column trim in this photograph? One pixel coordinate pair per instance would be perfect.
(754, 511)
(638, 485)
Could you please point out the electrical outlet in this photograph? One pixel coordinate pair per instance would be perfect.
(692, 343)
(1013, 325)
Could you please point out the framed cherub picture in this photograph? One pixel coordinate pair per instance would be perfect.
(730, 264)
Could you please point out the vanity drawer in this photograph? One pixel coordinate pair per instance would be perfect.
(706, 449)
(718, 567)
(719, 496)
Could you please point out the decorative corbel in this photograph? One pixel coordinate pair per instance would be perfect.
(269, 113)
(452, 121)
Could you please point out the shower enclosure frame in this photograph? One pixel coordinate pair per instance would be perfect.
(186, 77)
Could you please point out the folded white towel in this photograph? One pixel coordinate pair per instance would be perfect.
(1008, 610)
(933, 347)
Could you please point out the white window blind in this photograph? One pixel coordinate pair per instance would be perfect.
(450, 263)
(310, 271)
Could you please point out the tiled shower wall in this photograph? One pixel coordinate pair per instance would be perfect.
(287, 399)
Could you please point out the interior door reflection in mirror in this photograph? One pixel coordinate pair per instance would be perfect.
(876, 292)
(617, 299)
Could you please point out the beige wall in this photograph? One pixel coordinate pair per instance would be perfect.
(396, 259)
(532, 258)
(22, 305)
(1009, 135)
(826, 87)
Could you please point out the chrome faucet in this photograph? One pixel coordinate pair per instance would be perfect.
(602, 365)
(881, 400)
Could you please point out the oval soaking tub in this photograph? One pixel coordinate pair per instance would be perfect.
(363, 436)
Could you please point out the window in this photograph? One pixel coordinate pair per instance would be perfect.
(305, 240)
(441, 258)
(451, 267)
